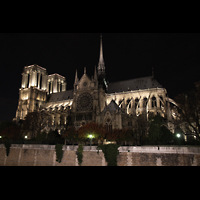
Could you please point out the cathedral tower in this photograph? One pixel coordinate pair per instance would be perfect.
(56, 83)
(32, 93)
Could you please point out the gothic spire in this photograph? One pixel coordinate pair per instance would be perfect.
(101, 65)
(76, 78)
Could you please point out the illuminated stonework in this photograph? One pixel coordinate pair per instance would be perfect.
(56, 83)
(84, 102)
(115, 105)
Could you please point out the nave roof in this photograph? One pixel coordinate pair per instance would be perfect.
(133, 84)
(60, 96)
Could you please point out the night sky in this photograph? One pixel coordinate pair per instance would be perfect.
(175, 58)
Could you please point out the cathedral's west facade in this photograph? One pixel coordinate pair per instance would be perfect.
(115, 105)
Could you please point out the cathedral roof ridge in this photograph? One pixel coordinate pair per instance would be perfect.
(131, 79)
(56, 75)
(59, 96)
(112, 106)
(84, 75)
(133, 84)
(35, 65)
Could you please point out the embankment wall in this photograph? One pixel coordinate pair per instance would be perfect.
(45, 155)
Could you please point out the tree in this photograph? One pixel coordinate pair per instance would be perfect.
(96, 130)
(141, 126)
(158, 132)
(119, 135)
(11, 132)
(70, 135)
(35, 122)
(53, 137)
(42, 136)
(189, 110)
(166, 136)
(5, 124)
(110, 153)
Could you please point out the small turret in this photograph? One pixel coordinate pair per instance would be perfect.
(76, 78)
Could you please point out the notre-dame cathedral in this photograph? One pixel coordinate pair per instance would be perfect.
(115, 104)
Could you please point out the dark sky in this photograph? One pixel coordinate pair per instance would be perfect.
(175, 58)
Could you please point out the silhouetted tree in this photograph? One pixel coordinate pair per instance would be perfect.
(140, 129)
(12, 132)
(54, 137)
(70, 135)
(5, 124)
(158, 132)
(189, 110)
(94, 129)
(35, 122)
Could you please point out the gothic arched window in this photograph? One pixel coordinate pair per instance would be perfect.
(144, 102)
(120, 101)
(136, 103)
(127, 102)
(108, 125)
(153, 101)
(161, 104)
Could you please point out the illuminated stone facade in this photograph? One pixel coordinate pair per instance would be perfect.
(115, 105)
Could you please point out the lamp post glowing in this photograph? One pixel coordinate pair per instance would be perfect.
(90, 136)
(178, 135)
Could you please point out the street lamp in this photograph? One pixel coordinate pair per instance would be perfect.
(178, 135)
(90, 136)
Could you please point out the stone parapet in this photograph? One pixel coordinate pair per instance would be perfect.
(44, 155)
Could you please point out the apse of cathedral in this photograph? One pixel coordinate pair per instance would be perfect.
(93, 99)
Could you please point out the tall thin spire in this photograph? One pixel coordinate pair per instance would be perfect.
(76, 78)
(101, 65)
(101, 49)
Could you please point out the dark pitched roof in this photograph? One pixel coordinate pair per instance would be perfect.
(133, 84)
(112, 106)
(60, 96)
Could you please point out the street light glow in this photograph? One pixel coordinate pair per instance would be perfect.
(178, 135)
(90, 136)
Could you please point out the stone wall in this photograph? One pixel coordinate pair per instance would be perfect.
(44, 155)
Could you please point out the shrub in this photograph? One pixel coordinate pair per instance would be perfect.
(79, 154)
(59, 152)
(110, 153)
(7, 144)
